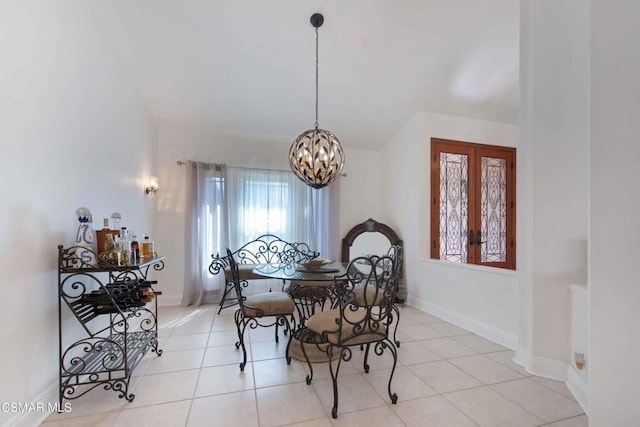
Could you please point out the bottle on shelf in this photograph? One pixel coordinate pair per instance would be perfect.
(101, 235)
(110, 253)
(86, 238)
(147, 247)
(115, 218)
(124, 247)
(135, 249)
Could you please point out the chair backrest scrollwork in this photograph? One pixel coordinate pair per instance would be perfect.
(368, 312)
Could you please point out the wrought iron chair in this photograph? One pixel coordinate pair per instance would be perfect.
(395, 253)
(252, 309)
(354, 323)
(265, 249)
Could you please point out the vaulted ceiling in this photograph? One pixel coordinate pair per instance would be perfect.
(247, 67)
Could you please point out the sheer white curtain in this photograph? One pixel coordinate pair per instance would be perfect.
(228, 207)
(206, 235)
(272, 201)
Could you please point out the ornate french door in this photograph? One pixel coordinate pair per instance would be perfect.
(473, 203)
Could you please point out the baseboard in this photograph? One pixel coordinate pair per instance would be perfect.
(523, 358)
(165, 300)
(45, 404)
(578, 387)
(548, 368)
(487, 331)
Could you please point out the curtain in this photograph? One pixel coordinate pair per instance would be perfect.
(205, 219)
(276, 202)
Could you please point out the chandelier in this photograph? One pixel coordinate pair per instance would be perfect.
(316, 156)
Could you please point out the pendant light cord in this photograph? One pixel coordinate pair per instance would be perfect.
(316, 122)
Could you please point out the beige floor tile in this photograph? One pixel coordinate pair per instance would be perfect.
(321, 370)
(581, 421)
(222, 338)
(488, 408)
(448, 329)
(264, 350)
(171, 361)
(506, 358)
(479, 344)
(266, 334)
(272, 372)
(166, 414)
(405, 384)
(420, 332)
(224, 379)
(224, 410)
(444, 377)
(484, 369)
(407, 320)
(401, 337)
(223, 323)
(193, 327)
(374, 417)
(557, 386)
(536, 399)
(354, 393)
(164, 388)
(418, 316)
(447, 348)
(224, 355)
(433, 411)
(320, 422)
(412, 353)
(97, 401)
(106, 419)
(185, 342)
(288, 404)
(169, 387)
(384, 361)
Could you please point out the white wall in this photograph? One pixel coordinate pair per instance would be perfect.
(614, 253)
(355, 203)
(480, 298)
(73, 133)
(554, 196)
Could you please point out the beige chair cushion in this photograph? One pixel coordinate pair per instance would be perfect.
(372, 297)
(245, 271)
(325, 321)
(268, 304)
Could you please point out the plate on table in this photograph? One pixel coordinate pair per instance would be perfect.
(316, 265)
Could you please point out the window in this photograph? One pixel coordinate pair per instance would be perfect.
(473, 203)
(260, 201)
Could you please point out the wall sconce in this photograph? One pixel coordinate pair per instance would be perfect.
(152, 186)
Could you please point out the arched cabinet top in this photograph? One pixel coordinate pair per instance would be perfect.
(369, 226)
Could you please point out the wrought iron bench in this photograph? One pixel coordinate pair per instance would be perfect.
(266, 249)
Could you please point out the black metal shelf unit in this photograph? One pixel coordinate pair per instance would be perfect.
(117, 308)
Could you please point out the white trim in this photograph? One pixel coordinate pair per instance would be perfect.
(166, 300)
(49, 395)
(487, 331)
(548, 368)
(578, 387)
(523, 358)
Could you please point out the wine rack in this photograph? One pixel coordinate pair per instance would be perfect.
(116, 305)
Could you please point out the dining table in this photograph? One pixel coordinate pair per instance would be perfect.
(312, 289)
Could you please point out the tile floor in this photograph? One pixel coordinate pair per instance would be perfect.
(446, 376)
